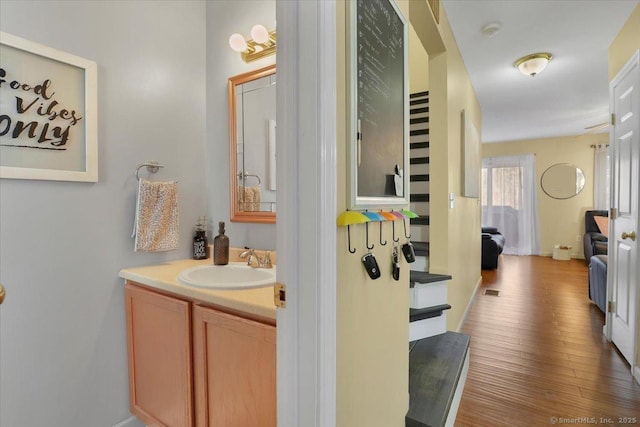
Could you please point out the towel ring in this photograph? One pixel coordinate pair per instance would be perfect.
(244, 177)
(152, 167)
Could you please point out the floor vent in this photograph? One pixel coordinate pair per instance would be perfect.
(492, 292)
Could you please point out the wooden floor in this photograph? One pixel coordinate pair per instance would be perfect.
(538, 356)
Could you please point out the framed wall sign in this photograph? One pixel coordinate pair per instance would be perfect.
(48, 113)
(379, 100)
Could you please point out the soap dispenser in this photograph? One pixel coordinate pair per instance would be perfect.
(221, 247)
(200, 247)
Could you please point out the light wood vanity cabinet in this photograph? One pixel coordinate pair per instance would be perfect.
(191, 365)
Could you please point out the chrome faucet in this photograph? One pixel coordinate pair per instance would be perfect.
(253, 260)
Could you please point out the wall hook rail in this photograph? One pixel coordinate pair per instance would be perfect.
(366, 225)
(152, 167)
(353, 251)
(404, 223)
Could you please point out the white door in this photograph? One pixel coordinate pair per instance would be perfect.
(623, 247)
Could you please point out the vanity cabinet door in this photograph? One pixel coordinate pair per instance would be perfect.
(159, 348)
(234, 369)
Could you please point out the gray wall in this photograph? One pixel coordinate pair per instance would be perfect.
(223, 19)
(63, 345)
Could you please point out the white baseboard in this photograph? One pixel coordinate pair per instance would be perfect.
(466, 310)
(130, 422)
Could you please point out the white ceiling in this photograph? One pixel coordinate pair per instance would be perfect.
(571, 94)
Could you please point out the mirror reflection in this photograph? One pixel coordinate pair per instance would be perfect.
(252, 125)
(562, 181)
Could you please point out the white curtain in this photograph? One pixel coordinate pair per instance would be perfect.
(601, 177)
(510, 202)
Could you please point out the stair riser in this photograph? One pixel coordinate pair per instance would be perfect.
(428, 294)
(428, 327)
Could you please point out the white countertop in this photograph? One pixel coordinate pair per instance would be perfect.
(257, 302)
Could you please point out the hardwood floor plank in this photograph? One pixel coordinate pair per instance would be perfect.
(537, 353)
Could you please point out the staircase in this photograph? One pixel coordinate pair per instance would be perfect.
(419, 176)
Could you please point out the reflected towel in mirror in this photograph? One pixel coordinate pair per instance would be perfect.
(156, 223)
(249, 199)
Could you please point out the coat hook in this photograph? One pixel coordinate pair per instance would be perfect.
(393, 228)
(349, 240)
(381, 242)
(404, 222)
(367, 231)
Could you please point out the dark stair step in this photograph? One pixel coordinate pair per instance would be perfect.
(419, 101)
(415, 145)
(419, 110)
(419, 94)
(435, 367)
(419, 120)
(419, 197)
(423, 220)
(419, 132)
(424, 277)
(419, 160)
(421, 248)
(416, 314)
(419, 178)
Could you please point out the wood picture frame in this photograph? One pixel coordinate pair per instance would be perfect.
(48, 113)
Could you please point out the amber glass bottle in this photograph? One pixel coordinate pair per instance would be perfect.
(221, 247)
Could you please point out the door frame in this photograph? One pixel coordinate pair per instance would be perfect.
(634, 60)
(306, 198)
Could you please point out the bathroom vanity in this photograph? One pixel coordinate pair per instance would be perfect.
(197, 356)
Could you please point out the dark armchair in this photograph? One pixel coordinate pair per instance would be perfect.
(492, 246)
(595, 243)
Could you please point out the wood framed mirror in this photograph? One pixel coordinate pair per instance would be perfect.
(252, 145)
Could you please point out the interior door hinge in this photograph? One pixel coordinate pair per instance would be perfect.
(613, 213)
(610, 307)
(613, 119)
(280, 295)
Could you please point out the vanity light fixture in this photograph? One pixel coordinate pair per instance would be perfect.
(533, 64)
(261, 44)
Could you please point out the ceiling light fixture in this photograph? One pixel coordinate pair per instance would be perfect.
(491, 29)
(262, 43)
(533, 64)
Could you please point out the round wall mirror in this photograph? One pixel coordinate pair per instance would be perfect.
(562, 181)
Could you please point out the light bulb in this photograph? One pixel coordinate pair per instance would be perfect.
(237, 42)
(259, 34)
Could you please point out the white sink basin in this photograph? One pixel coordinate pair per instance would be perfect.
(227, 277)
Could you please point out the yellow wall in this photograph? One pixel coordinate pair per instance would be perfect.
(372, 315)
(561, 221)
(625, 44)
(454, 234)
(418, 64)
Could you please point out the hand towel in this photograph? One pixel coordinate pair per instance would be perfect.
(156, 223)
(249, 199)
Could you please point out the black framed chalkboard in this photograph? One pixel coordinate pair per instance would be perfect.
(378, 132)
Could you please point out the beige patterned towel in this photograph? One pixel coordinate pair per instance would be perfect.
(156, 224)
(249, 199)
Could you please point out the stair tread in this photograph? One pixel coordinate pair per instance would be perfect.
(419, 160)
(416, 314)
(415, 145)
(419, 177)
(419, 197)
(435, 366)
(419, 110)
(419, 94)
(419, 132)
(419, 120)
(422, 220)
(419, 101)
(425, 277)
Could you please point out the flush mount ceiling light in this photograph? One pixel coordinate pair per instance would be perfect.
(491, 29)
(262, 43)
(531, 65)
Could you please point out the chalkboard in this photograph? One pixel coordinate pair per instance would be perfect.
(379, 101)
